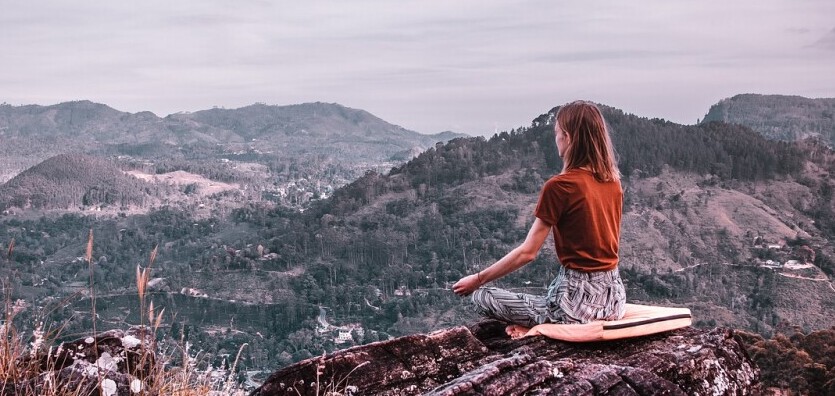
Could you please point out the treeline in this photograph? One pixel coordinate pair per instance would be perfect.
(48, 248)
(45, 262)
(725, 150)
(804, 363)
(644, 147)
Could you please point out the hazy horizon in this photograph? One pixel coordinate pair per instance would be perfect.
(472, 67)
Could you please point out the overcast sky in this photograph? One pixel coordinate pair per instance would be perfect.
(468, 66)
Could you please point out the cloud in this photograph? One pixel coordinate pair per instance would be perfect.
(606, 55)
(798, 30)
(428, 65)
(826, 42)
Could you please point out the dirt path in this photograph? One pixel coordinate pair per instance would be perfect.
(805, 277)
(824, 279)
(682, 269)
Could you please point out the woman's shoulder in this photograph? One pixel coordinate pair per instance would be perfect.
(573, 179)
(563, 181)
(571, 176)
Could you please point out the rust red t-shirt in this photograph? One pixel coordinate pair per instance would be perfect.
(584, 215)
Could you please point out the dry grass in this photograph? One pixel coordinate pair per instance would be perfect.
(332, 386)
(29, 368)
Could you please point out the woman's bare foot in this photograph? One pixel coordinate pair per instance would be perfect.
(516, 331)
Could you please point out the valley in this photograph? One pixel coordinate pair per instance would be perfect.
(252, 247)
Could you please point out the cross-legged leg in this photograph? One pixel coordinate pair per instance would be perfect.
(518, 308)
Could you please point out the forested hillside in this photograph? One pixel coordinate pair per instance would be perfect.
(794, 360)
(709, 210)
(644, 147)
(779, 117)
(70, 181)
(696, 199)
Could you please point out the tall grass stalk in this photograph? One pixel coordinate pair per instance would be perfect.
(143, 276)
(21, 365)
(10, 345)
(88, 255)
(11, 249)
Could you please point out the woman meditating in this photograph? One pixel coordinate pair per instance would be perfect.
(582, 205)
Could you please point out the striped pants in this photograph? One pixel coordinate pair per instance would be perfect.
(573, 297)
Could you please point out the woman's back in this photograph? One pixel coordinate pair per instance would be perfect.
(585, 216)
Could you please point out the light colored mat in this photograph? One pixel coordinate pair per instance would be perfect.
(639, 320)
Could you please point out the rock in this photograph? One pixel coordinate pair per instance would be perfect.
(106, 365)
(482, 360)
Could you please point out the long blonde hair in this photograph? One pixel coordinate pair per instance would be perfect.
(589, 144)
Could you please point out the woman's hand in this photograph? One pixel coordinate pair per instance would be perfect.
(466, 285)
(518, 257)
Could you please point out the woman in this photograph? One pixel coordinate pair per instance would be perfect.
(582, 205)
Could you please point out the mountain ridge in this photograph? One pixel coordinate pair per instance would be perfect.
(290, 154)
(779, 117)
(75, 113)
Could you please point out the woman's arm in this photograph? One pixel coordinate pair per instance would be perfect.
(523, 254)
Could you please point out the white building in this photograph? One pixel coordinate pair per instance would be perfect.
(343, 337)
(344, 333)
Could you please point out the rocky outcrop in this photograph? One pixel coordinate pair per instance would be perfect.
(481, 360)
(114, 363)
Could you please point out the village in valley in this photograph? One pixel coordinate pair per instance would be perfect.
(352, 333)
(793, 258)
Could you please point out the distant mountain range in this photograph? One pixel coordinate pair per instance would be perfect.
(322, 124)
(334, 132)
(288, 154)
(779, 117)
(105, 125)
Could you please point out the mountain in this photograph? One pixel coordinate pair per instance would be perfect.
(287, 154)
(32, 133)
(703, 207)
(779, 117)
(313, 120)
(316, 128)
(84, 123)
(310, 127)
(77, 119)
(71, 181)
(737, 227)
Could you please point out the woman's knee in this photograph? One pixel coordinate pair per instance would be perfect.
(484, 300)
(480, 295)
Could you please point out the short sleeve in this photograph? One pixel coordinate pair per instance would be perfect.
(551, 203)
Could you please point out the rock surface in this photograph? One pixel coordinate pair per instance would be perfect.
(481, 360)
(105, 365)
